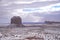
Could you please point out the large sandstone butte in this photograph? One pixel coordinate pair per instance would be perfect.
(16, 20)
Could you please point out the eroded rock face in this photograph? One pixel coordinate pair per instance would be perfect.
(16, 20)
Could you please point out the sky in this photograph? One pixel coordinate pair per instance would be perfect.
(30, 10)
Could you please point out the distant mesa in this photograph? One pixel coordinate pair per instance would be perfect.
(52, 22)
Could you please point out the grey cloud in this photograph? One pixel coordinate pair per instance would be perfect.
(6, 11)
(53, 16)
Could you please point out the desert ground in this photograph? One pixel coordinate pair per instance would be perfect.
(30, 32)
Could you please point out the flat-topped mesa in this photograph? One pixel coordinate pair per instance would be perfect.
(52, 22)
(16, 20)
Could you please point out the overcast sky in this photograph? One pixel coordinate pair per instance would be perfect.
(30, 10)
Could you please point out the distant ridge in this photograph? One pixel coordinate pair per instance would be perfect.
(52, 22)
(28, 23)
(33, 23)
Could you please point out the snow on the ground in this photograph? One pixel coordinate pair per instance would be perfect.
(20, 33)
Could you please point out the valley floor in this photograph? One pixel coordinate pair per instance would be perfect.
(30, 33)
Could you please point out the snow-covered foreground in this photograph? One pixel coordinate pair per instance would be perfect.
(18, 33)
(22, 33)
